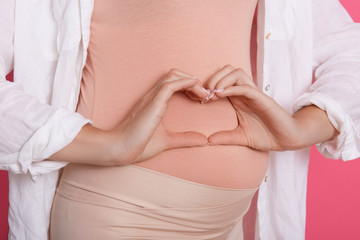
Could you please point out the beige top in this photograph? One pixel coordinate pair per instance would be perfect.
(133, 43)
(132, 202)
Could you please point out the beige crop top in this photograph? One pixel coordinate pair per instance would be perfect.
(133, 43)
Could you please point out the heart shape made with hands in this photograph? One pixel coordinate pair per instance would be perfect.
(262, 123)
(206, 92)
(196, 117)
(257, 126)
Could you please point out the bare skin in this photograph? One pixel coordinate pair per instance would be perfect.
(263, 124)
(141, 134)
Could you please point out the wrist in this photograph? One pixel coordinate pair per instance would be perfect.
(90, 146)
(313, 126)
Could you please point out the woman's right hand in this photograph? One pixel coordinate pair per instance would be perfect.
(141, 135)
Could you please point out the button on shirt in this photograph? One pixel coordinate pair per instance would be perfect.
(267, 87)
(268, 35)
(296, 40)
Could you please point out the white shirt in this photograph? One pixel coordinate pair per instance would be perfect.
(46, 42)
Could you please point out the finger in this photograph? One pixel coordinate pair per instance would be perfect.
(248, 98)
(252, 97)
(193, 96)
(152, 112)
(254, 100)
(175, 74)
(169, 88)
(181, 73)
(211, 83)
(157, 106)
(243, 90)
(197, 92)
(185, 139)
(231, 137)
(237, 77)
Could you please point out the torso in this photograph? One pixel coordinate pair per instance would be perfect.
(133, 43)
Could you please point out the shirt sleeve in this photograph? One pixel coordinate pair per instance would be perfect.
(30, 131)
(336, 68)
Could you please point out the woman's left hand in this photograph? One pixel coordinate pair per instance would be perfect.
(262, 123)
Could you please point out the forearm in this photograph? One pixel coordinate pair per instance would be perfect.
(90, 146)
(139, 136)
(313, 126)
(336, 65)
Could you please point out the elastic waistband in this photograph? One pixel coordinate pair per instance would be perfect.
(144, 187)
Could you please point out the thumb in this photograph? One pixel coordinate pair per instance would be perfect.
(185, 139)
(230, 137)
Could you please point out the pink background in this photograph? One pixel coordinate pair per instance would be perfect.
(333, 200)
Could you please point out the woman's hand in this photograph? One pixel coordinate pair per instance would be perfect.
(141, 135)
(262, 123)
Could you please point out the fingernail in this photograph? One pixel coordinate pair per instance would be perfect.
(218, 90)
(211, 95)
(207, 91)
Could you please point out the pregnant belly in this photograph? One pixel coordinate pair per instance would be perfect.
(184, 114)
(222, 166)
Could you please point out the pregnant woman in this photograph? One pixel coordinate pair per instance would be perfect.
(161, 164)
(182, 193)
